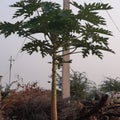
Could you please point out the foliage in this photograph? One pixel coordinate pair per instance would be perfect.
(60, 28)
(5, 90)
(80, 86)
(110, 84)
(93, 93)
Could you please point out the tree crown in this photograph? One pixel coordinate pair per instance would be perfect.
(61, 28)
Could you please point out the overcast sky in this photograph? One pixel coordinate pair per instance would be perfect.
(34, 68)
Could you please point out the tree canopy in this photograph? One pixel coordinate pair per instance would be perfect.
(82, 30)
(110, 84)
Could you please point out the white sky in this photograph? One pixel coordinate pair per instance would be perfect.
(34, 68)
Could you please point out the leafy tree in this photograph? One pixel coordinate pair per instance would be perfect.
(80, 85)
(60, 29)
(110, 84)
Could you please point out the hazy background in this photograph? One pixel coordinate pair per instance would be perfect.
(34, 68)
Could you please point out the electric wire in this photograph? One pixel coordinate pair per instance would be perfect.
(19, 51)
(114, 23)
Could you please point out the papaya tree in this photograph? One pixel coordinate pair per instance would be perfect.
(50, 29)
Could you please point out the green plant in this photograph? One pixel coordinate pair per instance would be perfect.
(60, 28)
(80, 86)
(6, 90)
(110, 84)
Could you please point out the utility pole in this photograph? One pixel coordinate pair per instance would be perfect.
(66, 4)
(66, 66)
(10, 69)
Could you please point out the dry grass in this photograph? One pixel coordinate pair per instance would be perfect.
(33, 103)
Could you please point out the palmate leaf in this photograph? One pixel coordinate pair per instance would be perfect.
(91, 17)
(95, 34)
(89, 12)
(95, 46)
(8, 28)
(38, 46)
(18, 28)
(92, 6)
(93, 29)
(36, 25)
(91, 35)
(95, 50)
(26, 8)
(97, 6)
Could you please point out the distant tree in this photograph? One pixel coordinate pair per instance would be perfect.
(60, 29)
(80, 86)
(93, 93)
(110, 84)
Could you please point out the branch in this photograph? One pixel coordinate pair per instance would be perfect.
(70, 52)
(112, 114)
(65, 50)
(38, 13)
(96, 108)
(31, 37)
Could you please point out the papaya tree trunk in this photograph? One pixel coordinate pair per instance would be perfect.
(54, 93)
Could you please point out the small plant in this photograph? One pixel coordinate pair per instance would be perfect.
(6, 90)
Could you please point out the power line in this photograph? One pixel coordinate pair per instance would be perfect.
(114, 23)
(20, 49)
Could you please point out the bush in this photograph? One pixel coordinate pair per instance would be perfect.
(29, 104)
